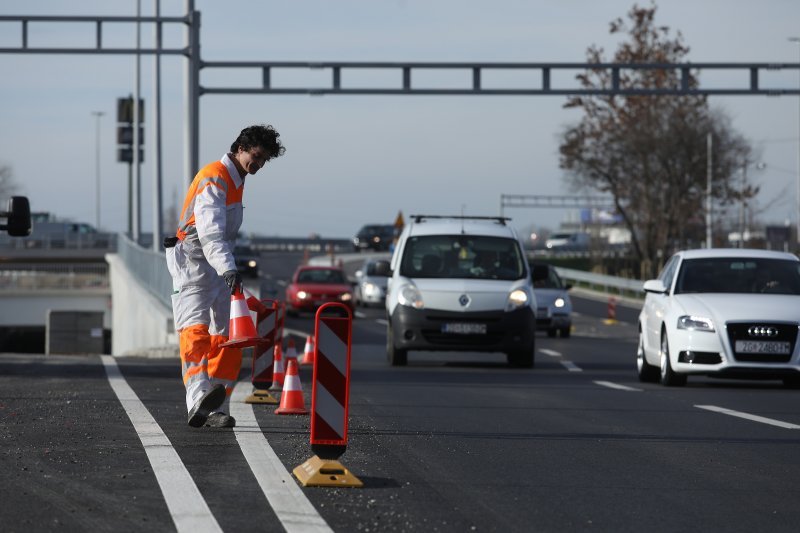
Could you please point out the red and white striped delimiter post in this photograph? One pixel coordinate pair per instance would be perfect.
(262, 354)
(330, 394)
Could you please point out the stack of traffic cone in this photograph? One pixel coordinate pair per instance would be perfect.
(308, 352)
(277, 370)
(291, 351)
(292, 402)
(242, 331)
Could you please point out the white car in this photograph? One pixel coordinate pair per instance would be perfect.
(724, 313)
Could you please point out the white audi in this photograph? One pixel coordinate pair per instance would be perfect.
(722, 312)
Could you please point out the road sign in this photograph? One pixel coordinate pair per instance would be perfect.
(125, 110)
(125, 135)
(125, 154)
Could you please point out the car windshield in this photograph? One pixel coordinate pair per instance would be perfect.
(380, 231)
(320, 275)
(462, 256)
(378, 269)
(545, 277)
(741, 275)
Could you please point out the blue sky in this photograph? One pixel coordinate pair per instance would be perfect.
(353, 160)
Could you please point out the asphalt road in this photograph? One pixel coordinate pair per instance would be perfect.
(452, 442)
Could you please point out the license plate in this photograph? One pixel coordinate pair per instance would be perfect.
(464, 329)
(770, 347)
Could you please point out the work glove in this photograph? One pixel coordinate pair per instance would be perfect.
(234, 280)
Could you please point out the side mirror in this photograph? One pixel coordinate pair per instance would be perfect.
(19, 217)
(654, 286)
(568, 286)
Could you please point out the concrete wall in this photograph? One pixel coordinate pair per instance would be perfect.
(29, 307)
(141, 324)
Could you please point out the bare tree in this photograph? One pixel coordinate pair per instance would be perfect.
(649, 152)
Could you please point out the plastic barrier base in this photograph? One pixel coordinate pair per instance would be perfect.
(261, 397)
(318, 472)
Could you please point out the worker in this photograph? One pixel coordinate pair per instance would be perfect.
(201, 262)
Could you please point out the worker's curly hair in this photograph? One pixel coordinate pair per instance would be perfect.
(262, 135)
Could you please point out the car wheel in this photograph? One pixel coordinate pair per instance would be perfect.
(395, 355)
(646, 371)
(668, 376)
(564, 333)
(521, 358)
(552, 332)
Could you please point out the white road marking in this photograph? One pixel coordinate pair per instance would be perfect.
(359, 314)
(617, 386)
(281, 282)
(748, 416)
(572, 367)
(296, 333)
(382, 321)
(551, 353)
(186, 505)
(291, 506)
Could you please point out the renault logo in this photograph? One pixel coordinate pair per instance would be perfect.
(464, 300)
(762, 331)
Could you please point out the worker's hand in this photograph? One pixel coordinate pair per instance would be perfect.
(234, 280)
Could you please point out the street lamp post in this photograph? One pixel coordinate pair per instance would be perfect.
(796, 40)
(97, 115)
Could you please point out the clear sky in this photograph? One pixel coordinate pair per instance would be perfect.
(353, 160)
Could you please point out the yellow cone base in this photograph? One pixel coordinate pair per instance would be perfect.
(610, 321)
(262, 397)
(318, 472)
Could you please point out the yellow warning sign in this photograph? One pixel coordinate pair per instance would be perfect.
(399, 222)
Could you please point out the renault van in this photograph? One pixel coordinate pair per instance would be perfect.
(460, 284)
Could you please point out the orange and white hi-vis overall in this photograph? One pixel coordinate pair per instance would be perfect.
(210, 220)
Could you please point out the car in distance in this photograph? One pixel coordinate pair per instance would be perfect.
(568, 241)
(553, 305)
(723, 313)
(460, 283)
(313, 286)
(371, 281)
(246, 260)
(377, 237)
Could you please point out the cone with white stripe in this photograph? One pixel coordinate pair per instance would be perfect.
(242, 331)
(308, 352)
(291, 352)
(292, 397)
(277, 370)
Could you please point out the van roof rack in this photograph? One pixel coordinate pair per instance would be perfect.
(420, 218)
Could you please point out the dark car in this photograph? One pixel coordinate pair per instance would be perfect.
(378, 237)
(553, 305)
(246, 260)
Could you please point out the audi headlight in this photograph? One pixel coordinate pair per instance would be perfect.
(695, 323)
(409, 295)
(518, 298)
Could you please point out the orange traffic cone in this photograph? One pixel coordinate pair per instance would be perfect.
(291, 351)
(255, 305)
(242, 331)
(277, 370)
(308, 351)
(292, 397)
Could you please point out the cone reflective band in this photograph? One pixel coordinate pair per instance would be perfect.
(330, 395)
(241, 332)
(263, 353)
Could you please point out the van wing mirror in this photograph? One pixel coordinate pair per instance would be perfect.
(19, 217)
(655, 286)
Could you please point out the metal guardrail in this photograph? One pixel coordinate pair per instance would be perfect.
(39, 277)
(149, 267)
(603, 283)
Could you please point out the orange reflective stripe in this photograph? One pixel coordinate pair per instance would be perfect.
(195, 344)
(224, 363)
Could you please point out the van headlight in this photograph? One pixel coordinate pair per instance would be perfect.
(518, 298)
(410, 296)
(696, 323)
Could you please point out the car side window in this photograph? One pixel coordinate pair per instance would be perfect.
(668, 272)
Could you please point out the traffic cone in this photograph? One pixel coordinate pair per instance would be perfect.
(291, 351)
(255, 305)
(277, 370)
(242, 331)
(308, 352)
(292, 397)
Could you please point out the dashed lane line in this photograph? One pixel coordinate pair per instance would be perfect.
(291, 506)
(186, 505)
(617, 386)
(572, 367)
(748, 416)
(551, 353)
(382, 321)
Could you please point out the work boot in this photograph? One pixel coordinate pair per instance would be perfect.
(218, 419)
(209, 401)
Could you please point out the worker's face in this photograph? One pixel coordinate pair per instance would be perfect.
(252, 159)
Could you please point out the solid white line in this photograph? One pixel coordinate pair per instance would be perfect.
(382, 321)
(754, 418)
(291, 506)
(551, 353)
(186, 505)
(572, 367)
(296, 333)
(617, 386)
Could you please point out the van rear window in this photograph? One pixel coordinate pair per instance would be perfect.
(462, 256)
